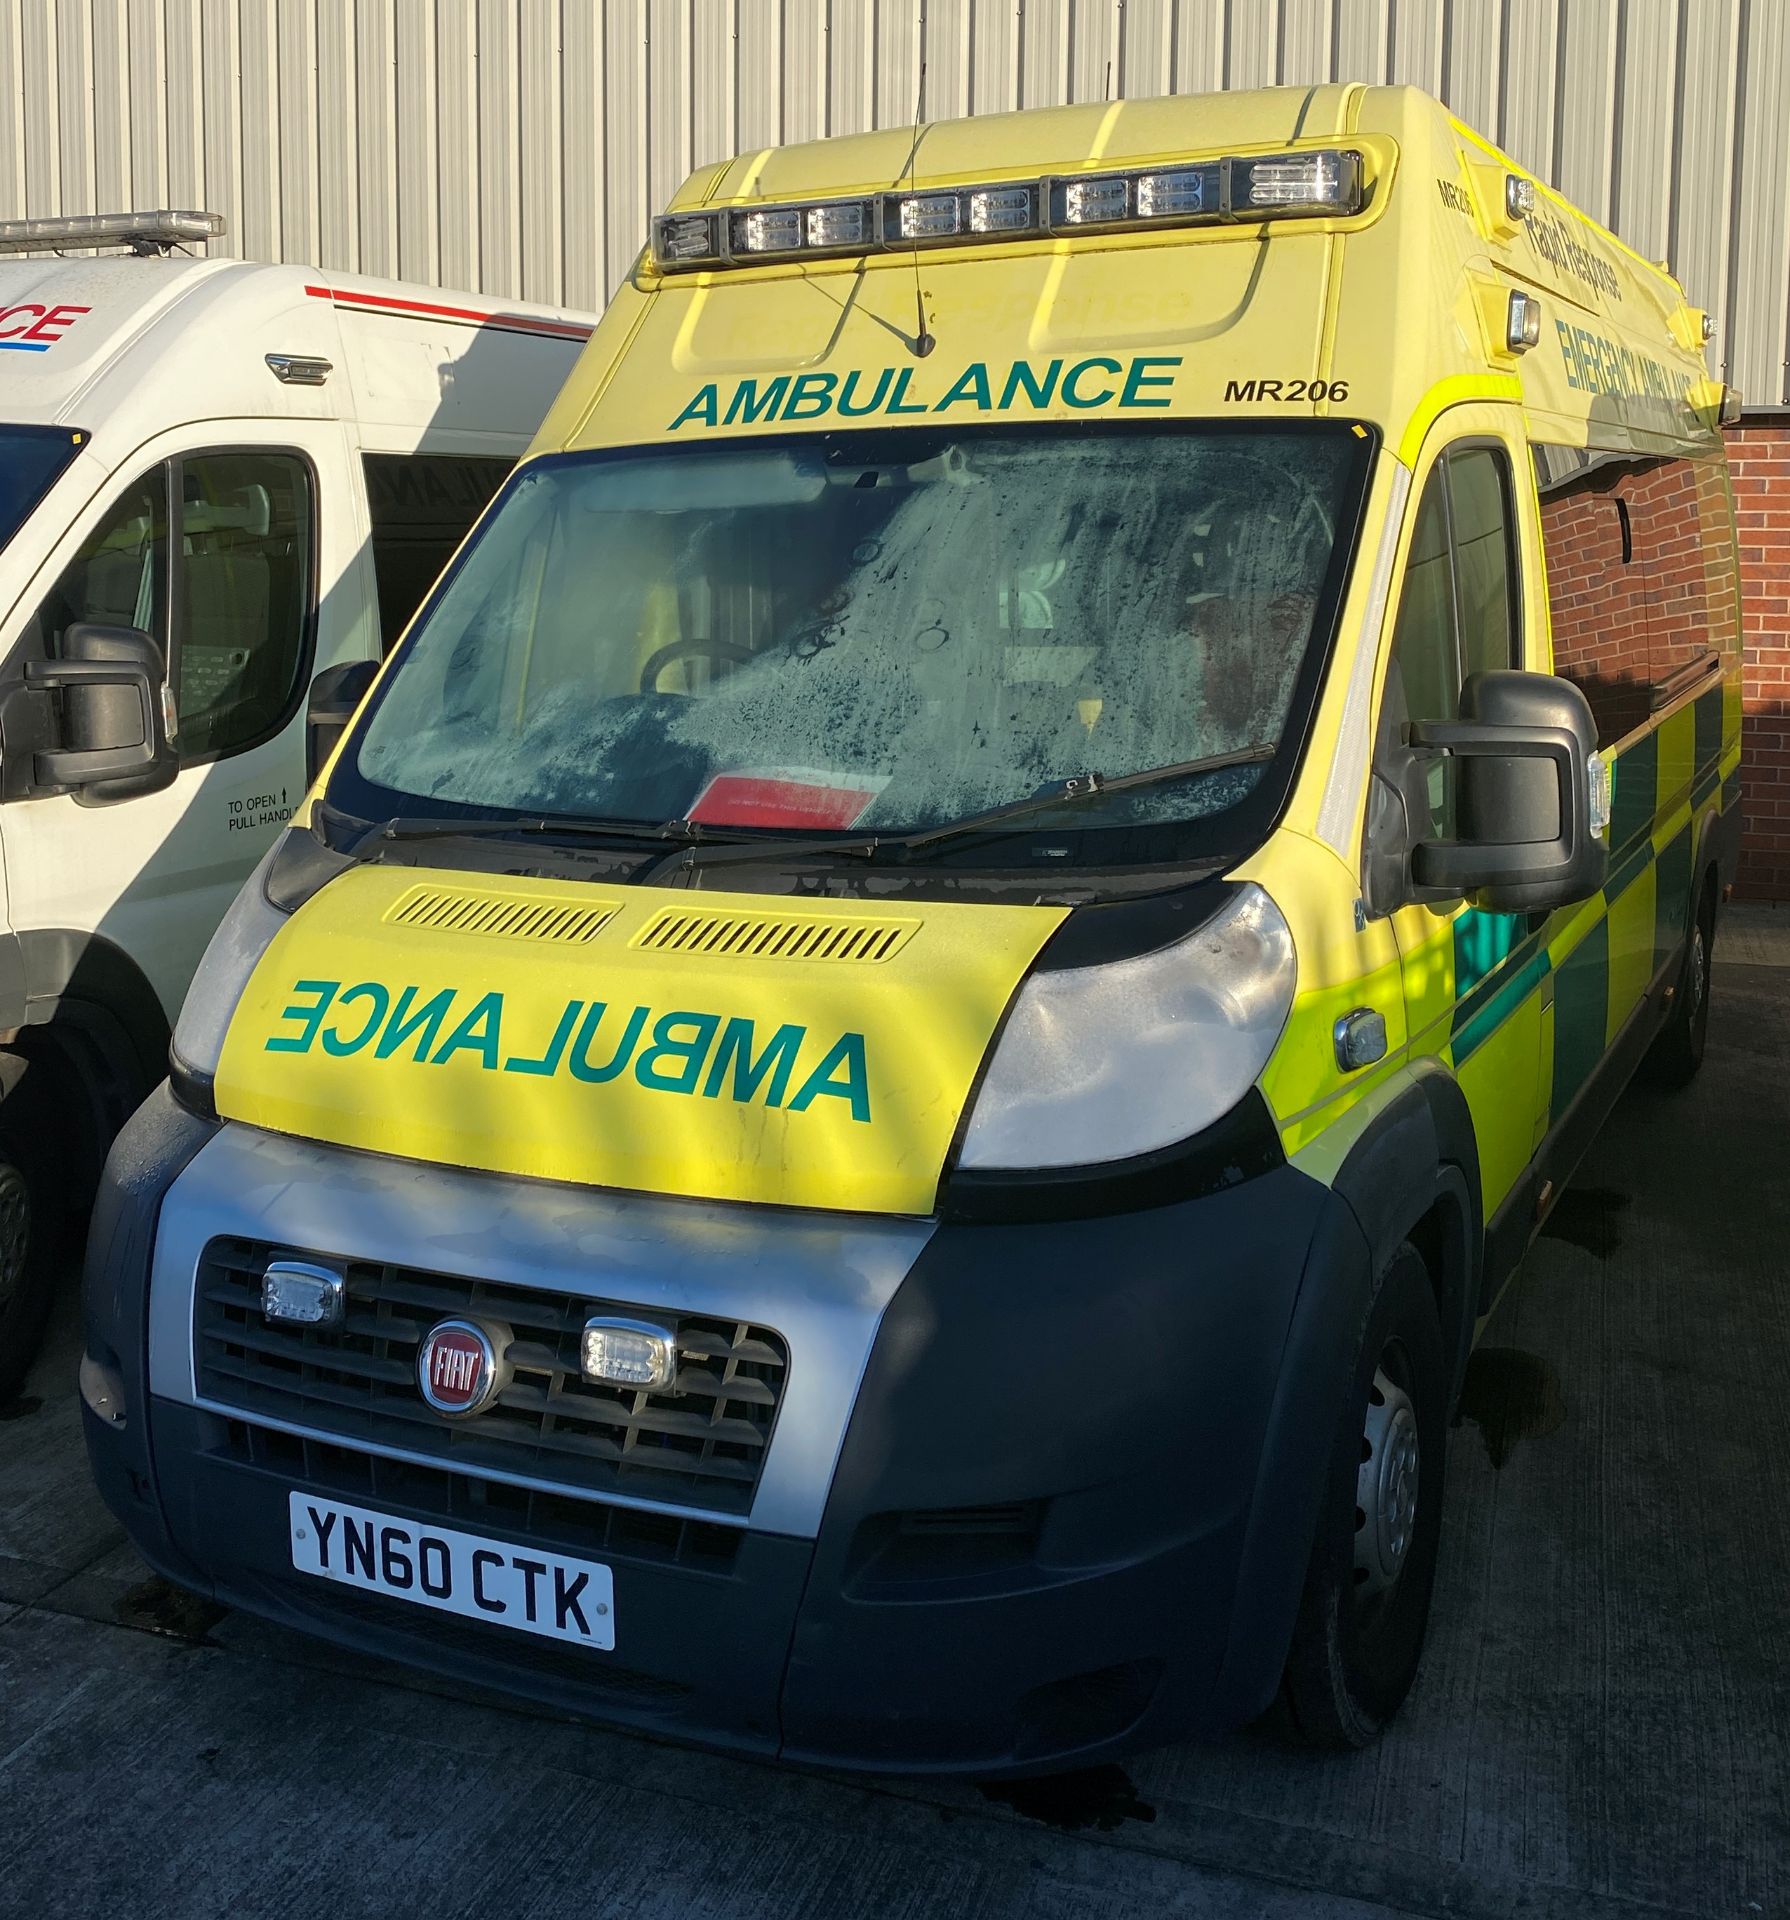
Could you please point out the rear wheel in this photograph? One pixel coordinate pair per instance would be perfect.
(1373, 1566)
(1677, 1050)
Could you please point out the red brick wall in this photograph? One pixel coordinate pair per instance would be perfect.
(1759, 455)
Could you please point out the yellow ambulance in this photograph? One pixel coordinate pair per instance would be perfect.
(872, 1111)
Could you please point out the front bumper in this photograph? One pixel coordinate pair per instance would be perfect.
(1055, 1502)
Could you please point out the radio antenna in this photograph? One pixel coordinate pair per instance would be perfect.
(923, 342)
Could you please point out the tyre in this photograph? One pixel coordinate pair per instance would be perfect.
(30, 1237)
(1366, 1603)
(1677, 1050)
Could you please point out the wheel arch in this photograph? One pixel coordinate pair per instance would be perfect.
(1413, 1176)
(95, 1032)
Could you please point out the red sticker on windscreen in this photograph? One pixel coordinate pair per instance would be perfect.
(817, 801)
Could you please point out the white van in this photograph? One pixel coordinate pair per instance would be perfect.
(217, 482)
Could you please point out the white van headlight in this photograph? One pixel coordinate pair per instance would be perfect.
(1103, 1063)
(243, 936)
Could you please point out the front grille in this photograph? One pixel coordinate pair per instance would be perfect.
(700, 1442)
(582, 1529)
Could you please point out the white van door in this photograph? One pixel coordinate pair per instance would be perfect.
(240, 546)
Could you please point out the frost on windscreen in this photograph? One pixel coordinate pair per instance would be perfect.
(911, 633)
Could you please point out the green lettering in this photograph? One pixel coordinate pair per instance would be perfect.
(1071, 380)
(748, 404)
(1569, 358)
(811, 396)
(549, 1061)
(688, 1053)
(1021, 375)
(477, 1033)
(333, 1041)
(777, 1060)
(426, 1021)
(587, 1032)
(971, 384)
(1139, 378)
(701, 408)
(902, 381)
(851, 387)
(309, 1018)
(847, 1052)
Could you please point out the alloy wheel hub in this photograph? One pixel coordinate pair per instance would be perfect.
(1385, 1487)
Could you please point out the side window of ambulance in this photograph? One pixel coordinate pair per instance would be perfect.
(242, 597)
(1457, 606)
(421, 505)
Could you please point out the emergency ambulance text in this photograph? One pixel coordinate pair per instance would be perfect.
(589, 1042)
(1024, 385)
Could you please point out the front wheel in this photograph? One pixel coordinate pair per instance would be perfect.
(1366, 1603)
(1677, 1050)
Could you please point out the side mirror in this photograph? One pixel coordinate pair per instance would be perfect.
(335, 694)
(112, 742)
(1520, 758)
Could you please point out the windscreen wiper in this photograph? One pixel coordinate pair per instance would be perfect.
(1082, 787)
(548, 827)
(1077, 788)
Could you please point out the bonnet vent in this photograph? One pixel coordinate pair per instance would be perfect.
(773, 936)
(568, 922)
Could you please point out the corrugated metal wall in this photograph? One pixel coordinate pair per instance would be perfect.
(517, 146)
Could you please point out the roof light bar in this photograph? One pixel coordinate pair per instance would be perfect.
(145, 232)
(1314, 183)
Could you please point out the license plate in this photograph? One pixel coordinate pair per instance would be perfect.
(462, 1573)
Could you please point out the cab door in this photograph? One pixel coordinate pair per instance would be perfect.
(1475, 982)
(234, 545)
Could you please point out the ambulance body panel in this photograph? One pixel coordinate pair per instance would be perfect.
(317, 495)
(1043, 748)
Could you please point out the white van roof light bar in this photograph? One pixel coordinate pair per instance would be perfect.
(141, 232)
(1314, 181)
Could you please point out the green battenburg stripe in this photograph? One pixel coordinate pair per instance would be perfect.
(1509, 990)
(1627, 870)
(1634, 800)
(1581, 1010)
(1672, 900)
(1709, 727)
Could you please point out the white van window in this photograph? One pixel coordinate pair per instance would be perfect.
(119, 576)
(242, 597)
(421, 505)
(32, 459)
(239, 569)
(878, 630)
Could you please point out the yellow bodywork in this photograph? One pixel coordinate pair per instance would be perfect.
(1391, 319)
(721, 1046)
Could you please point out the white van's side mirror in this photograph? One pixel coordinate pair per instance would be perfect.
(335, 694)
(109, 741)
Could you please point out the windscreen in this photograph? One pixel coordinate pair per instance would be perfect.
(31, 461)
(873, 632)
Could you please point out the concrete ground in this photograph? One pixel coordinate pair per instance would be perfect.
(1601, 1727)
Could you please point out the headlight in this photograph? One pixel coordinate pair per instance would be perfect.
(242, 938)
(1103, 1063)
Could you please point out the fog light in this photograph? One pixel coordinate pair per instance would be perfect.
(629, 1353)
(298, 1293)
